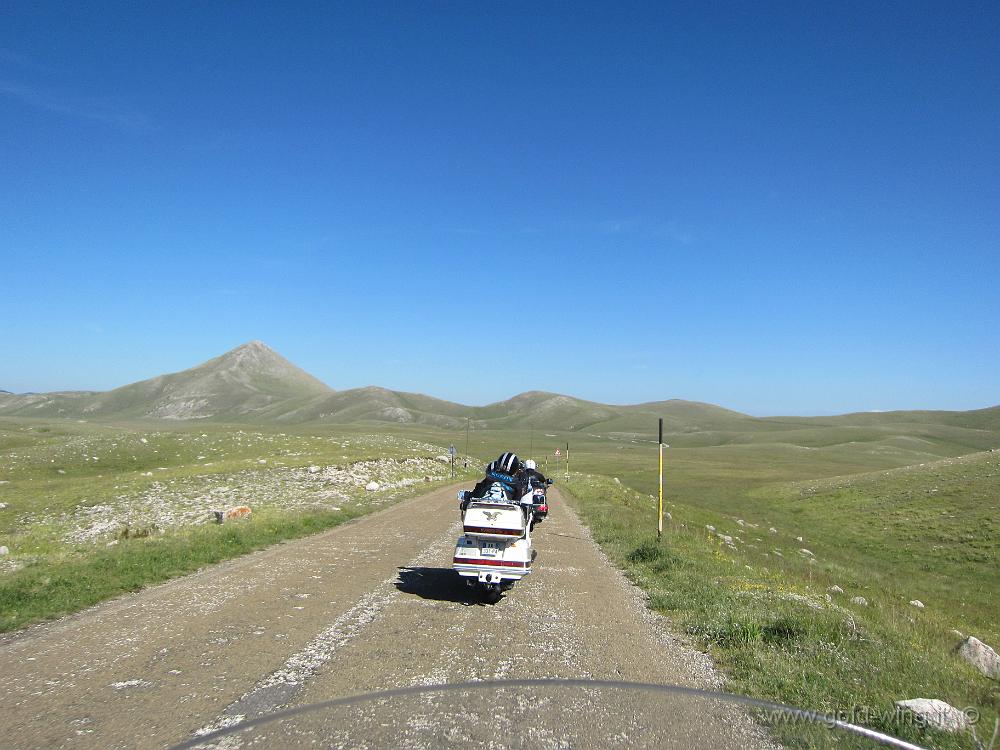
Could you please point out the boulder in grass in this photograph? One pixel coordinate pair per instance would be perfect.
(314, 470)
(917, 603)
(860, 601)
(240, 512)
(835, 590)
(372, 486)
(4, 551)
(936, 713)
(981, 657)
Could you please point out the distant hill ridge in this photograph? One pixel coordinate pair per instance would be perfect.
(254, 384)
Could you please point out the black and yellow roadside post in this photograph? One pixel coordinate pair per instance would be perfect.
(659, 520)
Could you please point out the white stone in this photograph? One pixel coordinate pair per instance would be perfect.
(443, 459)
(314, 470)
(981, 656)
(835, 590)
(143, 441)
(372, 486)
(773, 530)
(860, 601)
(917, 603)
(798, 539)
(806, 552)
(937, 713)
(617, 480)
(710, 528)
(3, 506)
(4, 551)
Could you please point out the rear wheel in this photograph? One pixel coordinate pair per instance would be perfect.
(491, 592)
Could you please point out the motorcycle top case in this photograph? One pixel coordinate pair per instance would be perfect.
(498, 521)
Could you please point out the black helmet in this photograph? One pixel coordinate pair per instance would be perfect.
(508, 463)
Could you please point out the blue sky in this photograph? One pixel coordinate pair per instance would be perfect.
(780, 208)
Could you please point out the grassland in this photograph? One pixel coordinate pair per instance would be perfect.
(892, 508)
(92, 510)
(741, 586)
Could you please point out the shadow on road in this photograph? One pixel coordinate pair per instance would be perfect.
(439, 584)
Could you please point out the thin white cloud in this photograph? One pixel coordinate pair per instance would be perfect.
(105, 112)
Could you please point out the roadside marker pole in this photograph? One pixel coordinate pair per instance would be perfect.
(567, 460)
(659, 521)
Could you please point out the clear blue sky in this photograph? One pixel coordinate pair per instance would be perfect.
(780, 208)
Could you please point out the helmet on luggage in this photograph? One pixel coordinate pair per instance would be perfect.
(508, 463)
(530, 464)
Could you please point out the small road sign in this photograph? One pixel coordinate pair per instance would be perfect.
(452, 450)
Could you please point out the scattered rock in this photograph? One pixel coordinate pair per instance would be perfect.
(617, 480)
(798, 539)
(804, 552)
(710, 528)
(143, 441)
(3, 506)
(443, 459)
(60, 471)
(835, 590)
(262, 460)
(773, 530)
(740, 522)
(314, 470)
(232, 514)
(958, 634)
(726, 538)
(372, 486)
(666, 515)
(975, 652)
(936, 713)
(4, 551)
(917, 603)
(859, 600)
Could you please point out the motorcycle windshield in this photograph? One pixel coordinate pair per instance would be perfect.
(553, 713)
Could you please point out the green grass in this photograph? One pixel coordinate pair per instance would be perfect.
(766, 621)
(54, 474)
(85, 577)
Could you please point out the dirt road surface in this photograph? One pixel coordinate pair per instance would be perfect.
(367, 606)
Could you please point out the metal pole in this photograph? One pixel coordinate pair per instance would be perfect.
(659, 521)
(468, 421)
(567, 460)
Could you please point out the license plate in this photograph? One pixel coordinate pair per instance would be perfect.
(490, 549)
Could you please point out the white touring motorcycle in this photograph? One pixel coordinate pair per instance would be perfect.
(495, 550)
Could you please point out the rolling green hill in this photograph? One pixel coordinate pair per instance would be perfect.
(253, 384)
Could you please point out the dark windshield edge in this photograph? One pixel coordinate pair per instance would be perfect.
(484, 685)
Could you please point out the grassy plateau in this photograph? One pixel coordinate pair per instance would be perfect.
(767, 516)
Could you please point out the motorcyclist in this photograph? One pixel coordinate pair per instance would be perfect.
(534, 479)
(534, 476)
(504, 481)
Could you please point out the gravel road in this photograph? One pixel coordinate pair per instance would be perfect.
(367, 606)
